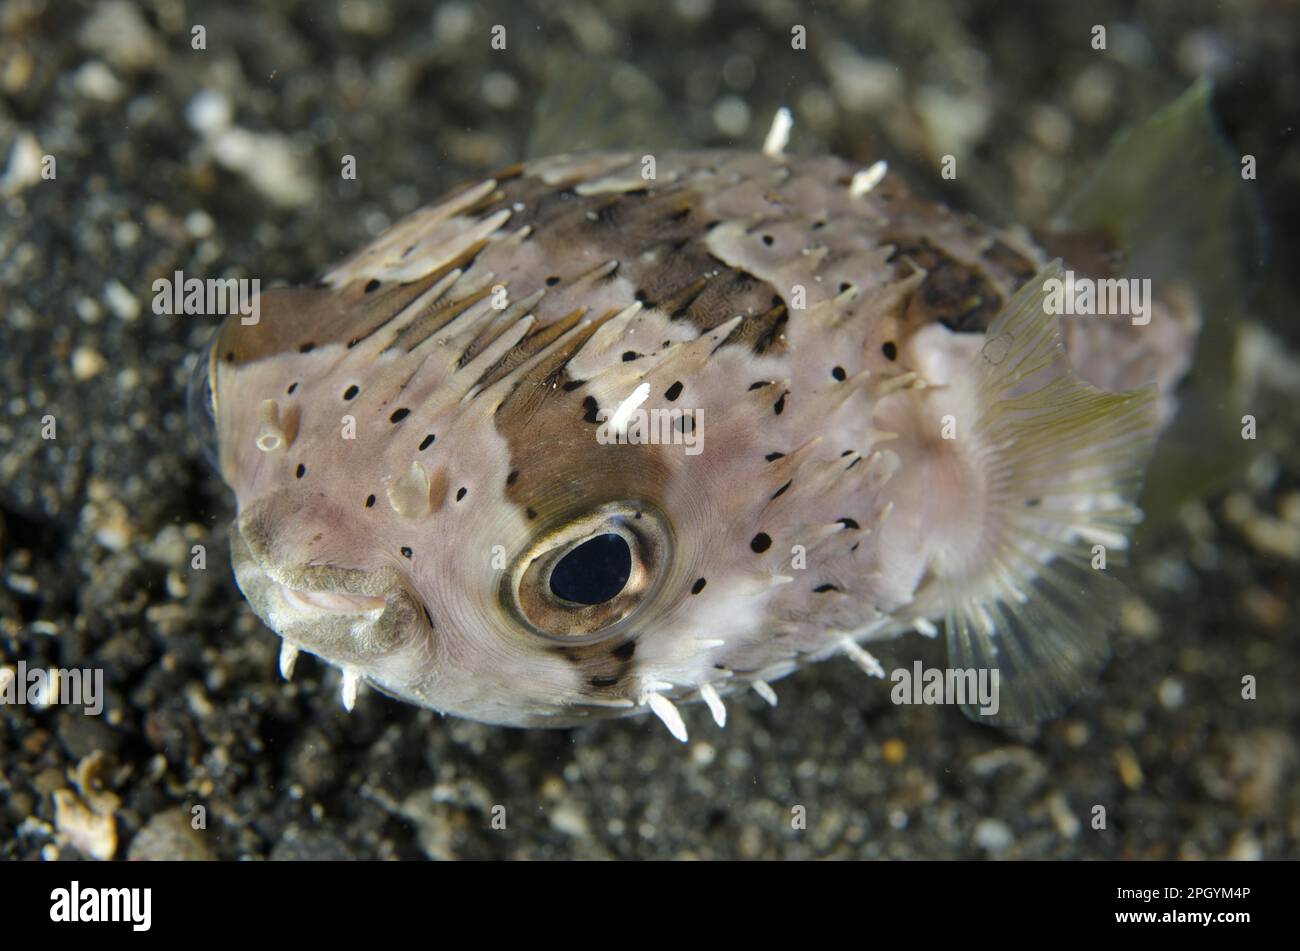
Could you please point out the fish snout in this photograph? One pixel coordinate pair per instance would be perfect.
(355, 619)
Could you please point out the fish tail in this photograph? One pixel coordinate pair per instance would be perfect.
(1172, 202)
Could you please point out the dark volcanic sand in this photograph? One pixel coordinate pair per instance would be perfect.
(96, 526)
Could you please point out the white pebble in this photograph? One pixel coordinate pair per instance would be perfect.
(452, 23)
(87, 364)
(209, 113)
(1171, 693)
(96, 81)
(198, 224)
(993, 835)
(121, 301)
(88, 310)
(24, 167)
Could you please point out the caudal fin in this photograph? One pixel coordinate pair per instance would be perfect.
(1172, 199)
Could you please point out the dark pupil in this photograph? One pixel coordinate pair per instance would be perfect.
(593, 572)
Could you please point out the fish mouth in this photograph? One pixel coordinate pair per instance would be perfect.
(348, 617)
(330, 602)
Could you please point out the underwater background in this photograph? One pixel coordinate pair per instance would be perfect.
(97, 525)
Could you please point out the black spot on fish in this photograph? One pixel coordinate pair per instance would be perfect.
(589, 408)
(779, 406)
(686, 424)
(406, 552)
(781, 491)
(351, 392)
(844, 286)
(1033, 503)
(399, 415)
(823, 588)
(427, 441)
(673, 391)
(698, 586)
(768, 240)
(760, 384)
(372, 285)
(292, 387)
(889, 349)
(761, 542)
(300, 472)
(370, 501)
(510, 479)
(630, 355)
(307, 348)
(570, 385)
(530, 513)
(773, 456)
(552, 280)
(460, 493)
(839, 374)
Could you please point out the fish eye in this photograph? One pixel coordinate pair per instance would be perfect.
(583, 578)
(201, 403)
(594, 572)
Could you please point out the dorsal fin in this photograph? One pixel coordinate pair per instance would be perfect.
(590, 103)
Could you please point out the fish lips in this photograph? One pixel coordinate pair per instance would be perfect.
(348, 617)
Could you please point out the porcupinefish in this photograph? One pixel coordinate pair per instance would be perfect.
(580, 441)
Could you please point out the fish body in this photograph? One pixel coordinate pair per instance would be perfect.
(580, 441)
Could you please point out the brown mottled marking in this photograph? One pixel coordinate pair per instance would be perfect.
(958, 295)
(293, 318)
(538, 341)
(651, 234)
